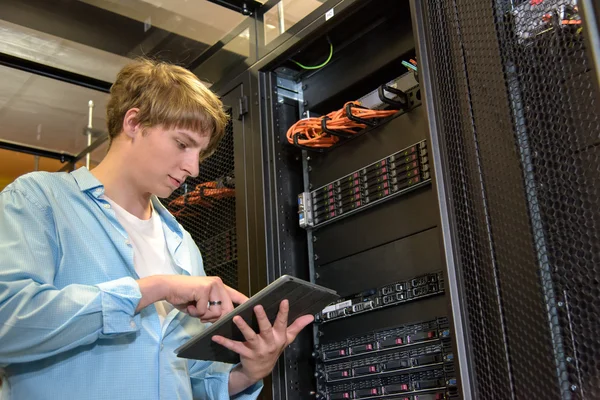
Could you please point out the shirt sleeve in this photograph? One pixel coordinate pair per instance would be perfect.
(210, 380)
(37, 320)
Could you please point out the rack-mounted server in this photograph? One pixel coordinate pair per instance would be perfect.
(386, 364)
(394, 338)
(389, 295)
(413, 360)
(397, 174)
(438, 380)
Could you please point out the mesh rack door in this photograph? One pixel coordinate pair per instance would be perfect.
(205, 207)
(517, 113)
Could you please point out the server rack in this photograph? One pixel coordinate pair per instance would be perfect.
(329, 252)
(497, 215)
(520, 189)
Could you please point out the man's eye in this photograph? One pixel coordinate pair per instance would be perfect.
(181, 145)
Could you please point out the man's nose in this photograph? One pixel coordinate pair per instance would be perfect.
(192, 164)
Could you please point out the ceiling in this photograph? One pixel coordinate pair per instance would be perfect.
(96, 38)
(44, 112)
(198, 20)
(47, 113)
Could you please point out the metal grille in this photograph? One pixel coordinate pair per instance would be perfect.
(205, 207)
(519, 132)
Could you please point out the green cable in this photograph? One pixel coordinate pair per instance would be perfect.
(320, 65)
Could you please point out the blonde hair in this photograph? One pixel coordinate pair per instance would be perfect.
(166, 95)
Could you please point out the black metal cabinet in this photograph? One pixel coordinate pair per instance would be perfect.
(236, 99)
(510, 219)
(514, 147)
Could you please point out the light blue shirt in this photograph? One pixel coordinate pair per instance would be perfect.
(68, 328)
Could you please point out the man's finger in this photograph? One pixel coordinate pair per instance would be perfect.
(281, 321)
(233, 345)
(191, 311)
(248, 332)
(219, 293)
(263, 323)
(299, 324)
(235, 296)
(202, 303)
(210, 313)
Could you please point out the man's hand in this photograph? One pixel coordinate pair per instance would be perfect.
(190, 294)
(260, 351)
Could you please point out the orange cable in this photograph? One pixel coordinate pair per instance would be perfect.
(310, 132)
(202, 195)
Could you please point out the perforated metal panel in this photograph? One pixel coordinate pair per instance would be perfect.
(518, 120)
(205, 207)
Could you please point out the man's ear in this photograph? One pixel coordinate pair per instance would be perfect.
(131, 126)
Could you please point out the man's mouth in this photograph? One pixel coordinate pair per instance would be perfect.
(175, 182)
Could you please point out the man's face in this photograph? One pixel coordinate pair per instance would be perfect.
(166, 158)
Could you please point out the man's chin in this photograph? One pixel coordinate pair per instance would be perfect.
(164, 193)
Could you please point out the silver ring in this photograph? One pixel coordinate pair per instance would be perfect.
(214, 303)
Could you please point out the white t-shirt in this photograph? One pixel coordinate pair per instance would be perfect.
(150, 253)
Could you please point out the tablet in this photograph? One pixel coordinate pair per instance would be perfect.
(304, 298)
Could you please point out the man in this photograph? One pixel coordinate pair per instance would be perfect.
(99, 283)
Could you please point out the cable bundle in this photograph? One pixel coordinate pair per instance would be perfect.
(203, 195)
(326, 131)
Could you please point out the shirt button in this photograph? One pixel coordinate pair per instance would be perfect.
(132, 324)
(107, 206)
(127, 242)
(162, 346)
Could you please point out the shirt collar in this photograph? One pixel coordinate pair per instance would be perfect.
(87, 182)
(166, 215)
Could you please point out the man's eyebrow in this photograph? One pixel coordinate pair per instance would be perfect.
(190, 138)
